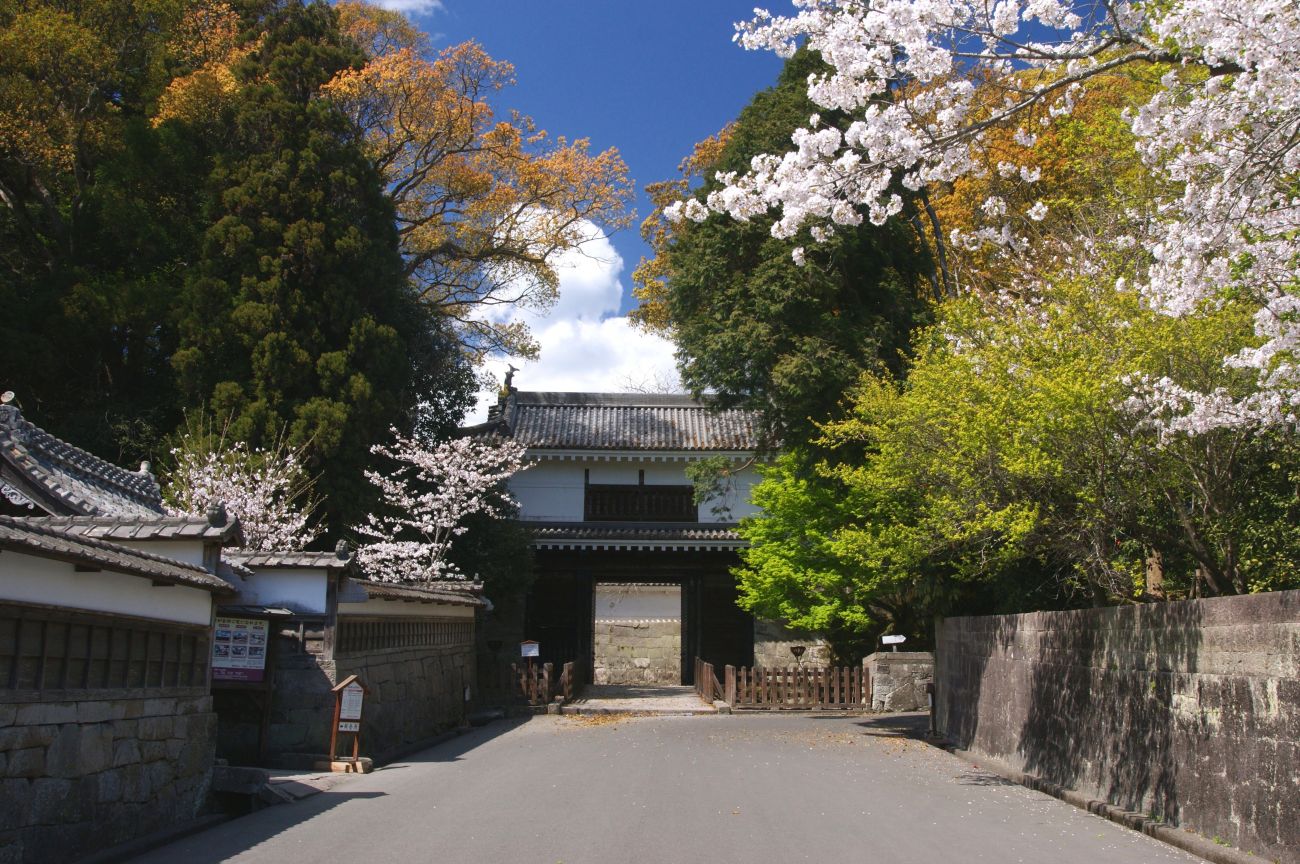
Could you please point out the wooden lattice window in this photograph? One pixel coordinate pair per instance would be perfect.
(43, 649)
(386, 634)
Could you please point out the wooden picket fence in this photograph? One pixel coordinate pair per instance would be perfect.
(538, 684)
(789, 687)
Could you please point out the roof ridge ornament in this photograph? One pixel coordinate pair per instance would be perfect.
(217, 515)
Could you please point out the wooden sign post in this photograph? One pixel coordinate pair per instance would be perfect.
(349, 701)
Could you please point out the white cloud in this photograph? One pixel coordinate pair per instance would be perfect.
(585, 346)
(412, 7)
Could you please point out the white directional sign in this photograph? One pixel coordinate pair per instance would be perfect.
(893, 640)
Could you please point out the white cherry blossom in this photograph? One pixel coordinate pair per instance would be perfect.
(427, 498)
(1225, 128)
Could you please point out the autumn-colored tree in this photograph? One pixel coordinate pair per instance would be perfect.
(1075, 185)
(483, 204)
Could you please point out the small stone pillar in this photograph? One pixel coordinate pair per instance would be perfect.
(897, 680)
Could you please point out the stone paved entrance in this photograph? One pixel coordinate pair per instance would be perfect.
(637, 699)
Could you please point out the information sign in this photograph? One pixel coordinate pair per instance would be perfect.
(350, 704)
(529, 649)
(893, 640)
(239, 649)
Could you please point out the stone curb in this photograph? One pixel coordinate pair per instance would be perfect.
(1188, 841)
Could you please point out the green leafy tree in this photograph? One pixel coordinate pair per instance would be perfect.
(1013, 457)
(750, 324)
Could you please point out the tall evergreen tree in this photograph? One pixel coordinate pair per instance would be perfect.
(298, 314)
(752, 325)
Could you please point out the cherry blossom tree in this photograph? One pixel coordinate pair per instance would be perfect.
(429, 497)
(927, 80)
(269, 491)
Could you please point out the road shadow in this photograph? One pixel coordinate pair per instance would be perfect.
(455, 749)
(229, 839)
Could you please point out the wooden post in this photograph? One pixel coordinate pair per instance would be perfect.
(729, 685)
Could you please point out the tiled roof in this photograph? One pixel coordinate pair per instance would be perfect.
(452, 594)
(40, 537)
(621, 421)
(644, 535)
(273, 560)
(79, 481)
(148, 527)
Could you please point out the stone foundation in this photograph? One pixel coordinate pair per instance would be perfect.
(88, 770)
(772, 644)
(898, 680)
(638, 652)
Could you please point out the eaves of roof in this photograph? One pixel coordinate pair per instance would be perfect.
(31, 537)
(446, 593)
(289, 560)
(152, 527)
(79, 481)
(650, 536)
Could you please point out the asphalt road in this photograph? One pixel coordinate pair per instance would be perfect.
(744, 788)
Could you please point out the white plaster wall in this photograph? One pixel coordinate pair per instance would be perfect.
(189, 551)
(376, 608)
(736, 499)
(552, 491)
(638, 602)
(30, 579)
(299, 589)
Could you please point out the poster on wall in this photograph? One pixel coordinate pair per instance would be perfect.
(239, 649)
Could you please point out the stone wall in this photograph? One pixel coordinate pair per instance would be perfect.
(302, 707)
(87, 770)
(1189, 711)
(772, 643)
(638, 652)
(415, 693)
(897, 680)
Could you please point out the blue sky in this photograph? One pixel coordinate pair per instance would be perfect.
(650, 78)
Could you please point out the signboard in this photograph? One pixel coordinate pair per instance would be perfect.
(350, 704)
(239, 649)
(529, 649)
(893, 640)
(349, 697)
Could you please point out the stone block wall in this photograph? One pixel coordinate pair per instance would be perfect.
(772, 643)
(415, 693)
(898, 679)
(638, 652)
(302, 707)
(87, 770)
(1189, 711)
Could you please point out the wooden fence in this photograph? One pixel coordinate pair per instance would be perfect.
(794, 687)
(707, 686)
(538, 685)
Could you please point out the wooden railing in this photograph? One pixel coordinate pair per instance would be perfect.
(538, 684)
(790, 687)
